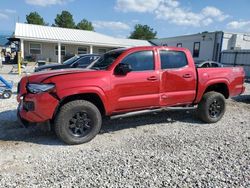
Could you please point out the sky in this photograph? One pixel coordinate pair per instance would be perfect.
(118, 17)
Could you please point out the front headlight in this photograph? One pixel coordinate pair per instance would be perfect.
(39, 88)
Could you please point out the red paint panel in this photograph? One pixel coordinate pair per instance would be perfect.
(45, 106)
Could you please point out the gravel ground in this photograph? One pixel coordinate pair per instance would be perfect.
(166, 149)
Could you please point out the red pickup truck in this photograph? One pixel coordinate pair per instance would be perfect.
(122, 81)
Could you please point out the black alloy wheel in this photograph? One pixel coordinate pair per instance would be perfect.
(211, 107)
(80, 124)
(216, 108)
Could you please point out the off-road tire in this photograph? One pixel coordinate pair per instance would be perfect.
(67, 113)
(211, 107)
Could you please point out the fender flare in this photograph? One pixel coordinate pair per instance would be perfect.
(210, 83)
(85, 90)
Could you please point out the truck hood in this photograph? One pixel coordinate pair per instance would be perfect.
(41, 76)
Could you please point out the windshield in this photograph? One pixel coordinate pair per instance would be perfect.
(106, 60)
(71, 60)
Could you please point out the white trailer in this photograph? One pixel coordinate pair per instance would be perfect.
(207, 45)
(237, 58)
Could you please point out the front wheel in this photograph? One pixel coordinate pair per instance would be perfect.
(78, 122)
(212, 107)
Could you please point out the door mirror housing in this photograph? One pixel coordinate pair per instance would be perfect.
(123, 69)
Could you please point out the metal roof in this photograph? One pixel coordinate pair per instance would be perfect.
(72, 36)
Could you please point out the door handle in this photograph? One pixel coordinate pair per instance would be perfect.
(187, 76)
(152, 78)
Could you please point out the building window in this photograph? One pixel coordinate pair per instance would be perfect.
(82, 50)
(63, 50)
(196, 50)
(102, 51)
(179, 45)
(35, 48)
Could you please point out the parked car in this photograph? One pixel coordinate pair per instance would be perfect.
(78, 61)
(208, 64)
(124, 81)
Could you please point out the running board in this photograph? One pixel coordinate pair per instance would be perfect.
(135, 113)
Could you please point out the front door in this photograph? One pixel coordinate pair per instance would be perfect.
(140, 87)
(178, 79)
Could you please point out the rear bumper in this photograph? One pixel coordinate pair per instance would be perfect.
(43, 108)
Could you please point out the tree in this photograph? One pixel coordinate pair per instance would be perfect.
(143, 32)
(65, 19)
(85, 25)
(35, 18)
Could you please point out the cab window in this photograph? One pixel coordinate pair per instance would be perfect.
(172, 59)
(140, 61)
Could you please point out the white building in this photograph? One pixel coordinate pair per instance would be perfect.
(208, 45)
(53, 43)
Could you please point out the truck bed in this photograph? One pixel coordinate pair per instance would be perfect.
(232, 77)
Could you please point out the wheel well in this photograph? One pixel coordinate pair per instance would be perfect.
(220, 88)
(91, 97)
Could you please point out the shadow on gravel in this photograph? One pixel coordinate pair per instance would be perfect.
(11, 130)
(242, 98)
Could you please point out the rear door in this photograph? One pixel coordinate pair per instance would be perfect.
(178, 79)
(140, 87)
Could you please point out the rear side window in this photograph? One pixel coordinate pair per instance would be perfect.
(214, 65)
(140, 61)
(83, 62)
(172, 59)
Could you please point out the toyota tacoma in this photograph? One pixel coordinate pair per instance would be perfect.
(127, 80)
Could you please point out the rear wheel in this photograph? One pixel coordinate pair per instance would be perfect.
(212, 107)
(78, 122)
(7, 94)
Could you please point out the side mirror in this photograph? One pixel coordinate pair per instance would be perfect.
(123, 69)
